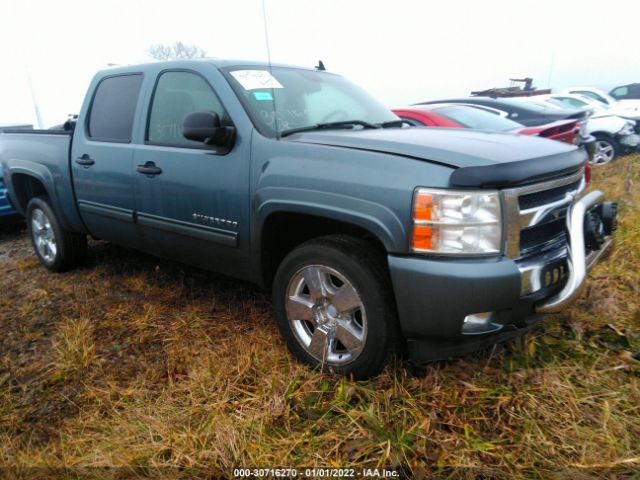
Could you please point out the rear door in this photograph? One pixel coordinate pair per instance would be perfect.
(195, 207)
(102, 159)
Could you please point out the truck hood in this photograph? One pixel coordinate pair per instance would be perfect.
(481, 158)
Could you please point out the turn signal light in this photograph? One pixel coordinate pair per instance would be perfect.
(423, 206)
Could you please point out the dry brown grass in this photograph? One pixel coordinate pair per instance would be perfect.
(161, 370)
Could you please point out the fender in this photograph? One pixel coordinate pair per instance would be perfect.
(43, 175)
(30, 169)
(377, 219)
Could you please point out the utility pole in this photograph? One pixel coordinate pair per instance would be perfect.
(33, 99)
(551, 65)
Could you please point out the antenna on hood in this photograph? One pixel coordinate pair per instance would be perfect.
(320, 66)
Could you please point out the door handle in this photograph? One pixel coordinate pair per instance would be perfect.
(85, 160)
(149, 168)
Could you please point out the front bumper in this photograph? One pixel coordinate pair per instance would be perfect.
(577, 260)
(434, 295)
(629, 141)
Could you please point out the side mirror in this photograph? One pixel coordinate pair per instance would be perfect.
(205, 127)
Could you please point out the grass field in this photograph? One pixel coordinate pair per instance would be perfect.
(156, 369)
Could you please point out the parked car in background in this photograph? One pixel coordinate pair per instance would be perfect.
(528, 114)
(580, 102)
(614, 135)
(518, 110)
(598, 108)
(626, 92)
(466, 116)
(8, 214)
(627, 108)
(592, 92)
(6, 209)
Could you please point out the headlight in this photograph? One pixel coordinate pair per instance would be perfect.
(456, 222)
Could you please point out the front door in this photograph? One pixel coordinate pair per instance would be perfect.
(191, 199)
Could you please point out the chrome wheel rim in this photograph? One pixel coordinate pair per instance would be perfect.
(604, 152)
(43, 237)
(326, 315)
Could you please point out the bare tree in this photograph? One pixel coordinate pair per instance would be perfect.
(177, 51)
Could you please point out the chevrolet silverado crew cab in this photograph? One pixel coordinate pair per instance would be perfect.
(374, 237)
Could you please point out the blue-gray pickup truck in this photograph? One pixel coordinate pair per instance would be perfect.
(375, 238)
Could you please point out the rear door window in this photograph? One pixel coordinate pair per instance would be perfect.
(113, 108)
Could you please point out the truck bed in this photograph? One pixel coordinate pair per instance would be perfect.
(47, 153)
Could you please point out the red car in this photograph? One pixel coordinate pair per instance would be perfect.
(465, 116)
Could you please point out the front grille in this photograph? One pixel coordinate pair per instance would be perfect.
(543, 197)
(535, 215)
(542, 237)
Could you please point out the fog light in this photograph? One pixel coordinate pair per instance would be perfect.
(478, 323)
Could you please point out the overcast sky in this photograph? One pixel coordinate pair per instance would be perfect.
(401, 51)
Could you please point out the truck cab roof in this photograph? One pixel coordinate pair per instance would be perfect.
(216, 62)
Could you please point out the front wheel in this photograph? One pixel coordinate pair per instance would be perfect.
(606, 149)
(335, 308)
(56, 248)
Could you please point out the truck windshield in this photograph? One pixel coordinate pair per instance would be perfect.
(283, 99)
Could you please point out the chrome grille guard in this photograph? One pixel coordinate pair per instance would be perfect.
(577, 260)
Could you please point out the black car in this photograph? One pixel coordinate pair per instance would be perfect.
(626, 92)
(528, 114)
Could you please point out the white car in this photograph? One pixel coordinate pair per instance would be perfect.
(614, 134)
(628, 108)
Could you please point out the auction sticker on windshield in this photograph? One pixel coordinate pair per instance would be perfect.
(256, 79)
(263, 95)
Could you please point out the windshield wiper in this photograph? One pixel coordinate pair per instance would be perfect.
(394, 123)
(322, 126)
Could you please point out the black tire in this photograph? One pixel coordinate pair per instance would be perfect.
(363, 268)
(70, 247)
(604, 140)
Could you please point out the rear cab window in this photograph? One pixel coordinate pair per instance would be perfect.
(113, 108)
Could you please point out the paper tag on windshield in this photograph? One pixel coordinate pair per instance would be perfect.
(255, 79)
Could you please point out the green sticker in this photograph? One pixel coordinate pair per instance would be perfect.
(263, 95)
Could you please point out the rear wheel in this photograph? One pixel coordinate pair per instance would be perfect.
(606, 149)
(56, 248)
(334, 306)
